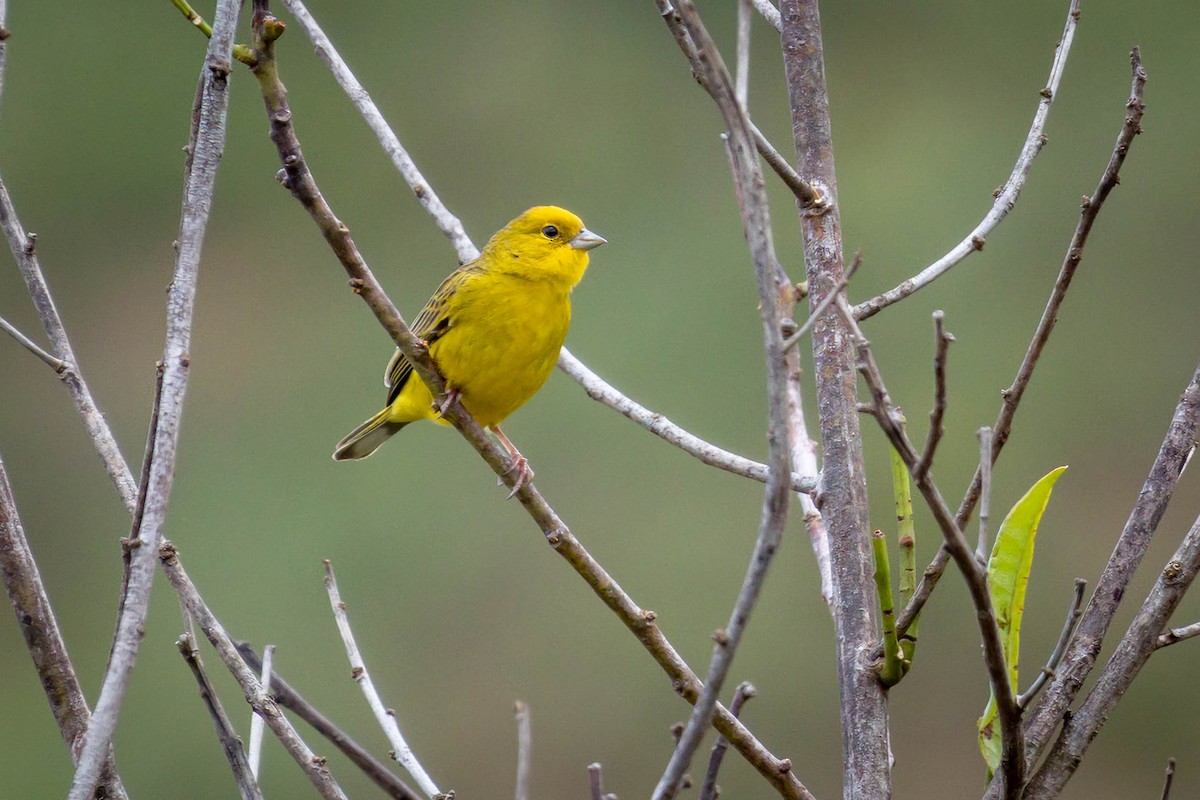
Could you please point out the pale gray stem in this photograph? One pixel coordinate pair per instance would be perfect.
(207, 146)
(524, 750)
(383, 715)
(256, 722)
(56, 364)
(985, 493)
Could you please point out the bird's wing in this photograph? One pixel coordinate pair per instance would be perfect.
(430, 325)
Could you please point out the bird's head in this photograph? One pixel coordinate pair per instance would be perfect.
(544, 243)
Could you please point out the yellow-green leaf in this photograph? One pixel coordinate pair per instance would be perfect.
(1007, 578)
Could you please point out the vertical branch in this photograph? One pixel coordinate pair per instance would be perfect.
(208, 143)
(756, 225)
(254, 754)
(43, 638)
(524, 748)
(985, 492)
(844, 498)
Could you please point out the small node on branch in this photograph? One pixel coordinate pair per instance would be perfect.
(721, 637)
(30, 243)
(785, 765)
(357, 285)
(4, 33)
(649, 616)
(1047, 93)
(978, 242)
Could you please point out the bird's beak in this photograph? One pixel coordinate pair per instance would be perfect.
(586, 240)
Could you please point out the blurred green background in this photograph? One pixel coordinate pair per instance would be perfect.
(459, 605)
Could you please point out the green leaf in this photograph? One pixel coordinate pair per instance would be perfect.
(1007, 578)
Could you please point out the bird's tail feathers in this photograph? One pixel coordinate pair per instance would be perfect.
(366, 438)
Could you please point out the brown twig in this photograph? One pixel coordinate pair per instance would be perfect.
(286, 696)
(1179, 634)
(1131, 654)
(1013, 764)
(708, 790)
(756, 224)
(595, 781)
(937, 416)
(1131, 127)
(386, 718)
(43, 638)
(1006, 197)
(298, 179)
(1170, 778)
(863, 700)
(806, 195)
(1074, 611)
(204, 157)
(258, 698)
(56, 364)
(243, 772)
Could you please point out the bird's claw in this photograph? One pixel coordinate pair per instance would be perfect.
(452, 395)
(524, 476)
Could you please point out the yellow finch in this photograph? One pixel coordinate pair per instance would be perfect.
(494, 328)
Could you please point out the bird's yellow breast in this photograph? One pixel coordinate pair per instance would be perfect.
(503, 340)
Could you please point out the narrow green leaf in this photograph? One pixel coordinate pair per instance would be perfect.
(1008, 577)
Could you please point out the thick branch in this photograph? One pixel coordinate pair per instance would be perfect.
(1006, 197)
(208, 145)
(865, 768)
(39, 628)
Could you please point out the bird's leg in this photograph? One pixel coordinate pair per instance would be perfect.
(449, 399)
(519, 463)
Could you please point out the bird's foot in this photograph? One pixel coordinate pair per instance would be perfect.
(450, 398)
(524, 474)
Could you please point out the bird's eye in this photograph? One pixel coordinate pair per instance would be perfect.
(550, 232)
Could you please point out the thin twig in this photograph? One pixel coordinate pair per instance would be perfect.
(825, 303)
(286, 696)
(806, 195)
(756, 225)
(600, 390)
(804, 463)
(937, 417)
(595, 781)
(770, 13)
(43, 638)
(640, 622)
(386, 717)
(256, 722)
(1074, 611)
(24, 249)
(1006, 197)
(244, 771)
(1013, 763)
(258, 698)
(741, 81)
(985, 493)
(56, 364)
(708, 790)
(524, 750)
(1166, 792)
(1131, 654)
(1179, 634)
(1130, 127)
(207, 146)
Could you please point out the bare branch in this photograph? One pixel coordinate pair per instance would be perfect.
(1179, 634)
(806, 195)
(741, 88)
(207, 146)
(756, 224)
(384, 716)
(56, 364)
(1131, 654)
(1012, 396)
(1006, 197)
(804, 463)
(825, 303)
(1166, 792)
(299, 180)
(863, 700)
(258, 698)
(1074, 611)
(39, 628)
(256, 722)
(708, 790)
(942, 341)
(524, 748)
(289, 698)
(600, 390)
(24, 249)
(244, 770)
(1013, 764)
(595, 781)
(769, 12)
